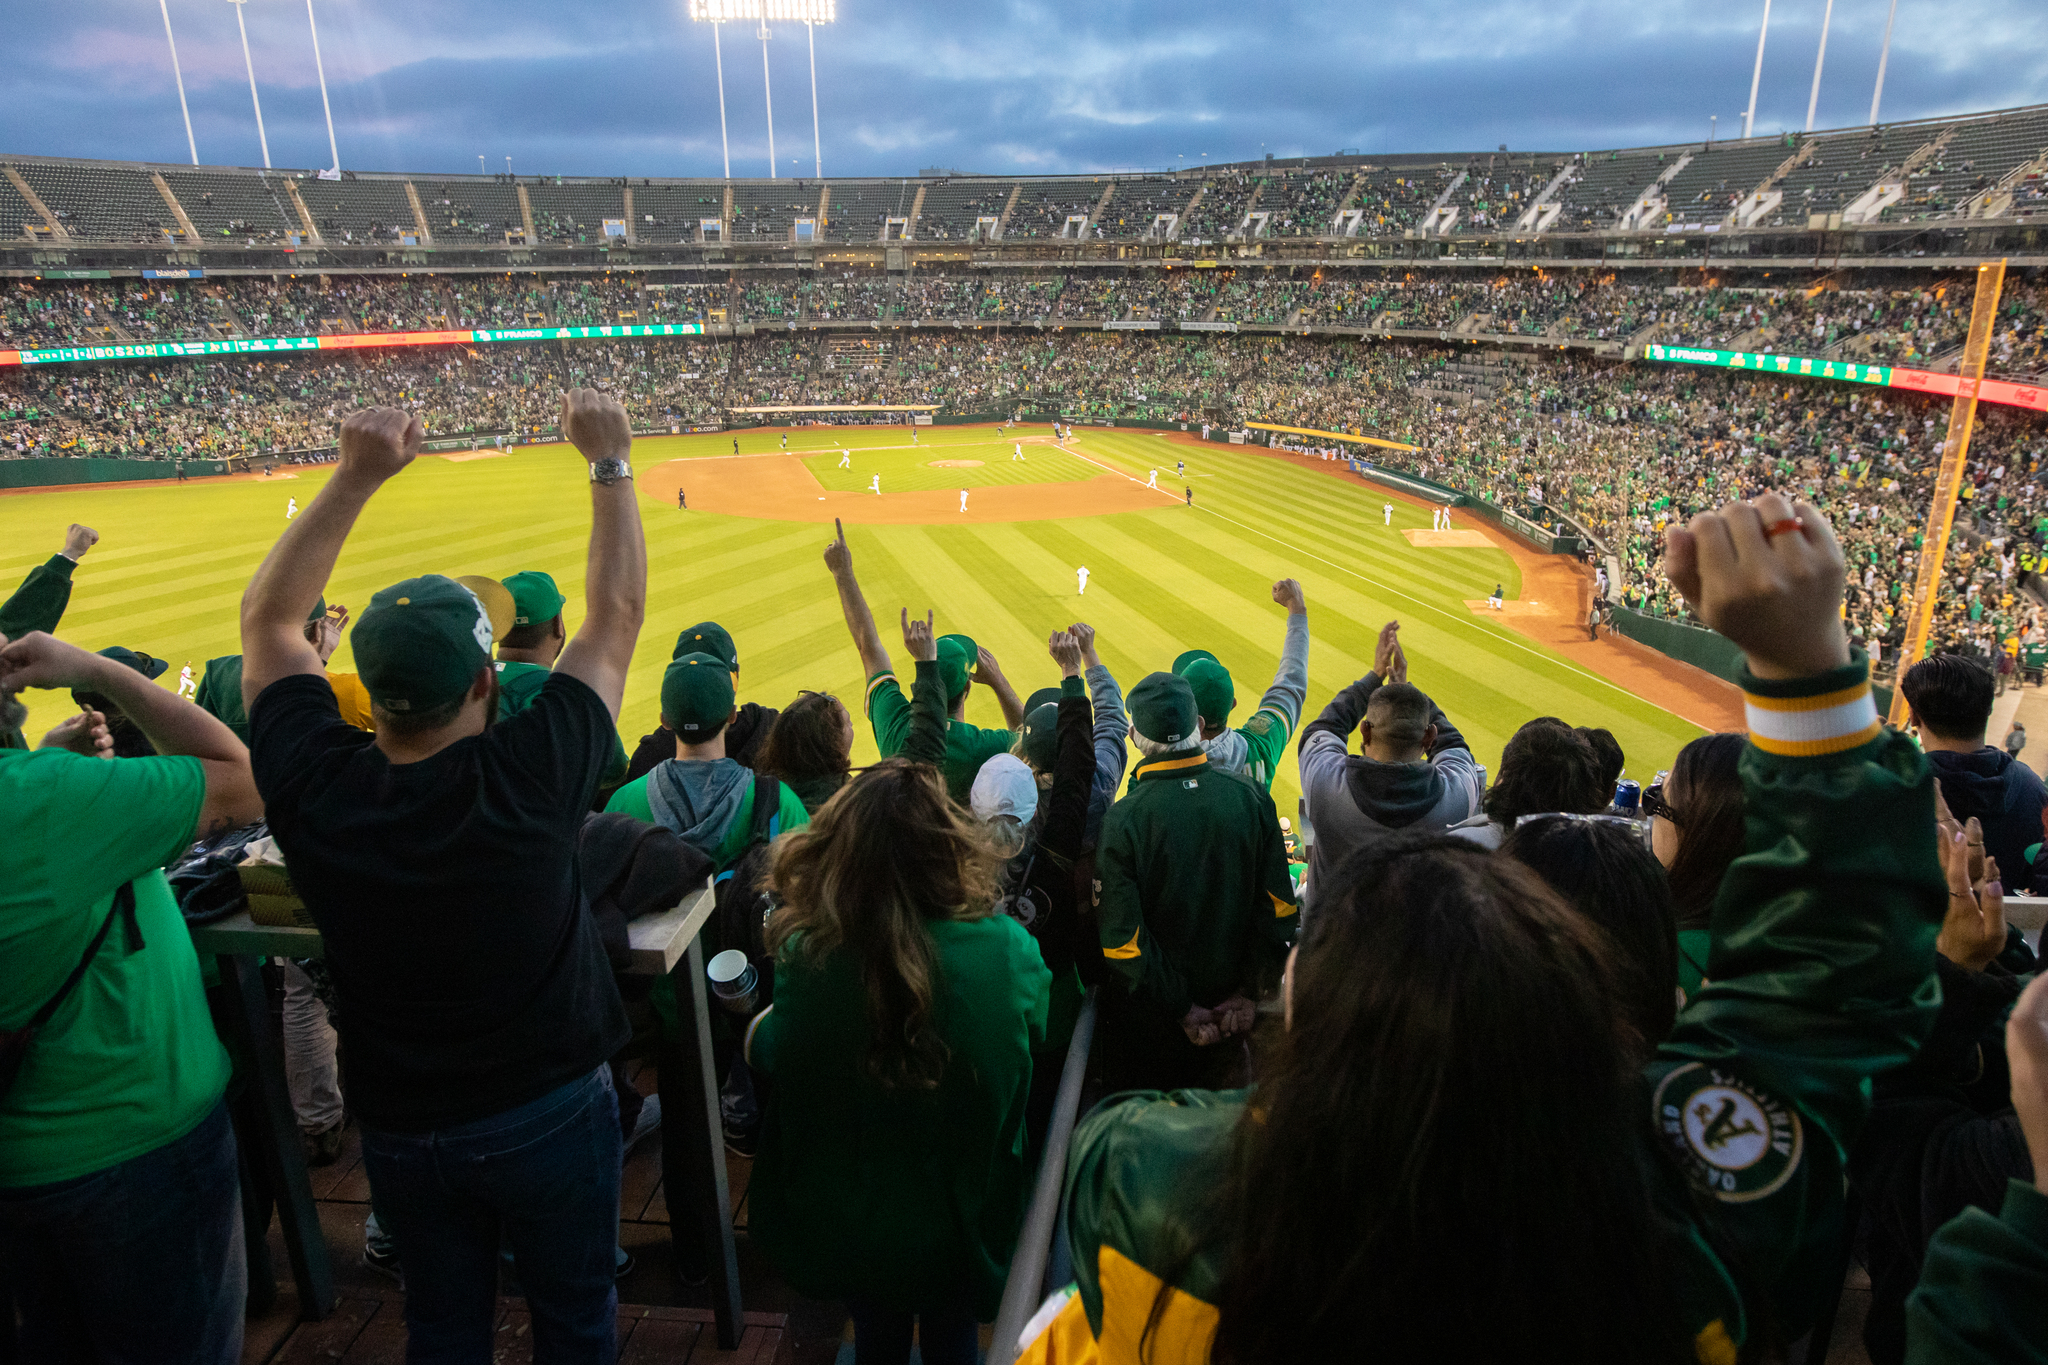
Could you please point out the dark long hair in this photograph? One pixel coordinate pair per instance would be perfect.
(1441, 1162)
(806, 742)
(883, 856)
(1705, 788)
(1606, 874)
(1546, 766)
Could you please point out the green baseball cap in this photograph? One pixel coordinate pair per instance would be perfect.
(696, 695)
(535, 598)
(148, 665)
(1040, 743)
(1040, 698)
(420, 643)
(708, 637)
(1214, 695)
(958, 655)
(1163, 709)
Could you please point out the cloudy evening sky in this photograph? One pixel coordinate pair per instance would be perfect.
(627, 87)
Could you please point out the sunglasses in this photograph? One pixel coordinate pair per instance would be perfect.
(1655, 804)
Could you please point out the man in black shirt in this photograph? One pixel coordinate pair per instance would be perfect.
(438, 858)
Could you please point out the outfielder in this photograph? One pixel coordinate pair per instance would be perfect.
(1387, 511)
(1153, 482)
(846, 459)
(876, 486)
(1017, 451)
(1081, 574)
(186, 687)
(785, 440)
(963, 500)
(291, 508)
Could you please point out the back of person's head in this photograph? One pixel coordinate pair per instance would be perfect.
(1399, 715)
(1442, 1166)
(1607, 755)
(1705, 789)
(1604, 872)
(1546, 766)
(1004, 798)
(423, 647)
(812, 737)
(696, 698)
(1951, 696)
(889, 851)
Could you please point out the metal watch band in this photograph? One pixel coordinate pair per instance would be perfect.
(610, 471)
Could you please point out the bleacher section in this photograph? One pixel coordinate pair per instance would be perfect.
(1394, 199)
(361, 210)
(1044, 207)
(17, 219)
(1842, 167)
(675, 207)
(1304, 201)
(859, 208)
(470, 210)
(1139, 200)
(231, 207)
(1602, 188)
(952, 206)
(574, 211)
(1497, 189)
(1225, 199)
(1708, 188)
(1976, 158)
(762, 211)
(101, 203)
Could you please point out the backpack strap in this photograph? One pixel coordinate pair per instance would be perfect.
(767, 805)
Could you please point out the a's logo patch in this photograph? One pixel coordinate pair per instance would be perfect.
(1736, 1141)
(1189, 784)
(1259, 724)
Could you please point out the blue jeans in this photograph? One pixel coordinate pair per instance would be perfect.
(143, 1261)
(545, 1178)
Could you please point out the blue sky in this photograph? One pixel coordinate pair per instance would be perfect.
(1000, 86)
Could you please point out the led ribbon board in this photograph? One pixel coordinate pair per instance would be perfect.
(189, 350)
(2032, 396)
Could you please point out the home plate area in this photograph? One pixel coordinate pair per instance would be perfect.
(1448, 540)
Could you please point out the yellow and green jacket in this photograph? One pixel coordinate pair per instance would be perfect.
(1821, 975)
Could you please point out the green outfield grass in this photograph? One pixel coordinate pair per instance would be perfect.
(170, 568)
(905, 468)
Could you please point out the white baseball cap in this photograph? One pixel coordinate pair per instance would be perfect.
(1004, 786)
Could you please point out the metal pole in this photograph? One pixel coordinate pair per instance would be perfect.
(768, 96)
(1883, 55)
(1813, 100)
(179, 76)
(480, 164)
(719, 57)
(321, 68)
(811, 32)
(263, 141)
(1749, 119)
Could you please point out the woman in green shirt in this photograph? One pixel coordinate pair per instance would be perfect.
(898, 1058)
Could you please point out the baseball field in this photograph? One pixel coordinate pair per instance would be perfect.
(1163, 575)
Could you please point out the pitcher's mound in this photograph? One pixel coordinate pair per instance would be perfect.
(955, 464)
(1448, 540)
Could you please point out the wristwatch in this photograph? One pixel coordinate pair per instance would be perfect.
(610, 471)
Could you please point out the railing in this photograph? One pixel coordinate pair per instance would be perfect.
(1025, 1289)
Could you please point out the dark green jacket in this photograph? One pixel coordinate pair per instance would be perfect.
(1821, 975)
(1983, 1296)
(38, 604)
(1193, 899)
(519, 684)
(909, 1198)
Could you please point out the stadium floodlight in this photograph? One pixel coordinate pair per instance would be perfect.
(1749, 119)
(809, 13)
(1883, 55)
(325, 108)
(262, 140)
(179, 76)
(1812, 100)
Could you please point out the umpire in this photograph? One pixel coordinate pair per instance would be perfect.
(1194, 905)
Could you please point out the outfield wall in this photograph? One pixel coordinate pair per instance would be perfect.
(47, 472)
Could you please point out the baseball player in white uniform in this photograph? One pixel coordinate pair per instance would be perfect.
(1081, 574)
(186, 687)
(846, 459)
(1387, 511)
(1153, 482)
(876, 486)
(963, 500)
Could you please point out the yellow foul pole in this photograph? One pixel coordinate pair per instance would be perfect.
(1948, 483)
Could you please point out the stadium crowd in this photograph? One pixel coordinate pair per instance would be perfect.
(1463, 1069)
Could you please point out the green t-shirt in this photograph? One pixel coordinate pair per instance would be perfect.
(967, 746)
(131, 1061)
(790, 814)
(519, 684)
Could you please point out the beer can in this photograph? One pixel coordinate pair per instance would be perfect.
(1628, 797)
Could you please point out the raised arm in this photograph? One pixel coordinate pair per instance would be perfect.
(860, 622)
(175, 727)
(615, 575)
(926, 739)
(1073, 767)
(989, 673)
(1347, 708)
(1821, 972)
(375, 444)
(38, 604)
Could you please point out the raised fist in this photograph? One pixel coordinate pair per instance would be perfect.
(378, 442)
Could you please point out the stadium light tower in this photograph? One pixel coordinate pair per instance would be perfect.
(1749, 119)
(262, 140)
(809, 13)
(1813, 99)
(1883, 55)
(321, 69)
(184, 108)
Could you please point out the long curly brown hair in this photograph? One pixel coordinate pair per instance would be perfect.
(886, 854)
